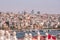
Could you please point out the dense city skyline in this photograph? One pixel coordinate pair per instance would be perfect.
(44, 6)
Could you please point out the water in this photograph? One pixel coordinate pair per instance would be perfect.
(53, 32)
(20, 34)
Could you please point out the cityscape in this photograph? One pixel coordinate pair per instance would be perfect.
(29, 19)
(27, 23)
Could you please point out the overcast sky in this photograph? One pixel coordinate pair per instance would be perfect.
(44, 6)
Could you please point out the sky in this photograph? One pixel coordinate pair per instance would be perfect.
(44, 6)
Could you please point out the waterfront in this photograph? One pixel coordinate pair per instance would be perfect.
(43, 33)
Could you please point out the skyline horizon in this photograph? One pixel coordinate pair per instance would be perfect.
(44, 6)
(35, 12)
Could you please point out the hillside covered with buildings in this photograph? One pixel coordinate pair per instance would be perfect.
(28, 21)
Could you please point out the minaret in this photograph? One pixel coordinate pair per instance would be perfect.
(38, 38)
(26, 36)
(14, 36)
(1, 34)
(30, 36)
